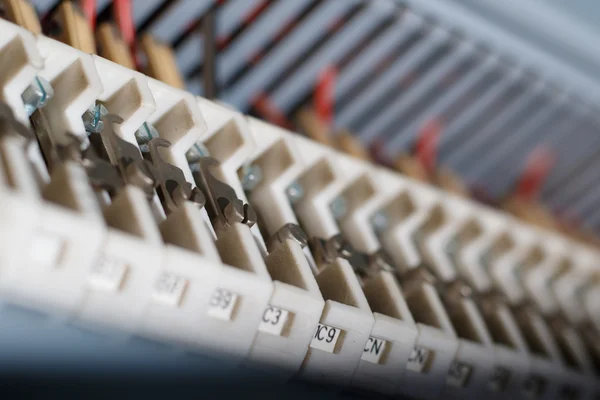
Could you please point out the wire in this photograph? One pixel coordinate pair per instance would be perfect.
(324, 99)
(123, 17)
(427, 144)
(538, 166)
(89, 9)
(265, 107)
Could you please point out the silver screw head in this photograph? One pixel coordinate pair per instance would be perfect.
(92, 118)
(145, 134)
(380, 221)
(338, 207)
(37, 94)
(251, 176)
(196, 152)
(295, 192)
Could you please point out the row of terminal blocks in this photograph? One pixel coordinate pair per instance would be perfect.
(127, 204)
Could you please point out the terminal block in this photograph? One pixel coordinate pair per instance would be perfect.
(134, 208)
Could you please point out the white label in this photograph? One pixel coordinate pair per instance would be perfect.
(458, 374)
(419, 356)
(273, 320)
(499, 379)
(46, 250)
(221, 304)
(108, 273)
(373, 350)
(169, 288)
(325, 338)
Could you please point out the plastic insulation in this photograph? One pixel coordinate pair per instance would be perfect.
(89, 9)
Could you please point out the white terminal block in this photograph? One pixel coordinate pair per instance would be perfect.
(179, 120)
(538, 279)
(591, 299)
(76, 85)
(68, 235)
(243, 292)
(323, 182)
(544, 358)
(511, 368)
(364, 196)
(229, 141)
(386, 353)
(179, 301)
(471, 370)
(504, 269)
(487, 227)
(569, 286)
(20, 62)
(19, 192)
(509, 364)
(281, 165)
(442, 227)
(20, 207)
(121, 279)
(289, 322)
(578, 376)
(435, 347)
(127, 94)
(545, 363)
(392, 338)
(57, 254)
(344, 328)
(407, 211)
(339, 339)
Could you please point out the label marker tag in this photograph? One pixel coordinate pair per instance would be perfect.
(325, 338)
(273, 320)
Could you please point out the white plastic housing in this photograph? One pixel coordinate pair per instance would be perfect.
(76, 85)
(281, 165)
(468, 260)
(127, 94)
(383, 363)
(538, 280)
(344, 327)
(435, 347)
(20, 62)
(53, 268)
(407, 210)
(504, 269)
(289, 321)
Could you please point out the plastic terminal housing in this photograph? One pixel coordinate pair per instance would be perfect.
(172, 276)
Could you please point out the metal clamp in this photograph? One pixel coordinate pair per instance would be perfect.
(174, 189)
(127, 157)
(223, 206)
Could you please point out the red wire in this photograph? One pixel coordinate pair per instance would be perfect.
(123, 17)
(270, 112)
(89, 9)
(325, 94)
(427, 143)
(539, 164)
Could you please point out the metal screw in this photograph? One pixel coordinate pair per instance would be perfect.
(92, 118)
(338, 207)
(196, 152)
(37, 95)
(145, 134)
(380, 221)
(295, 192)
(289, 232)
(251, 176)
